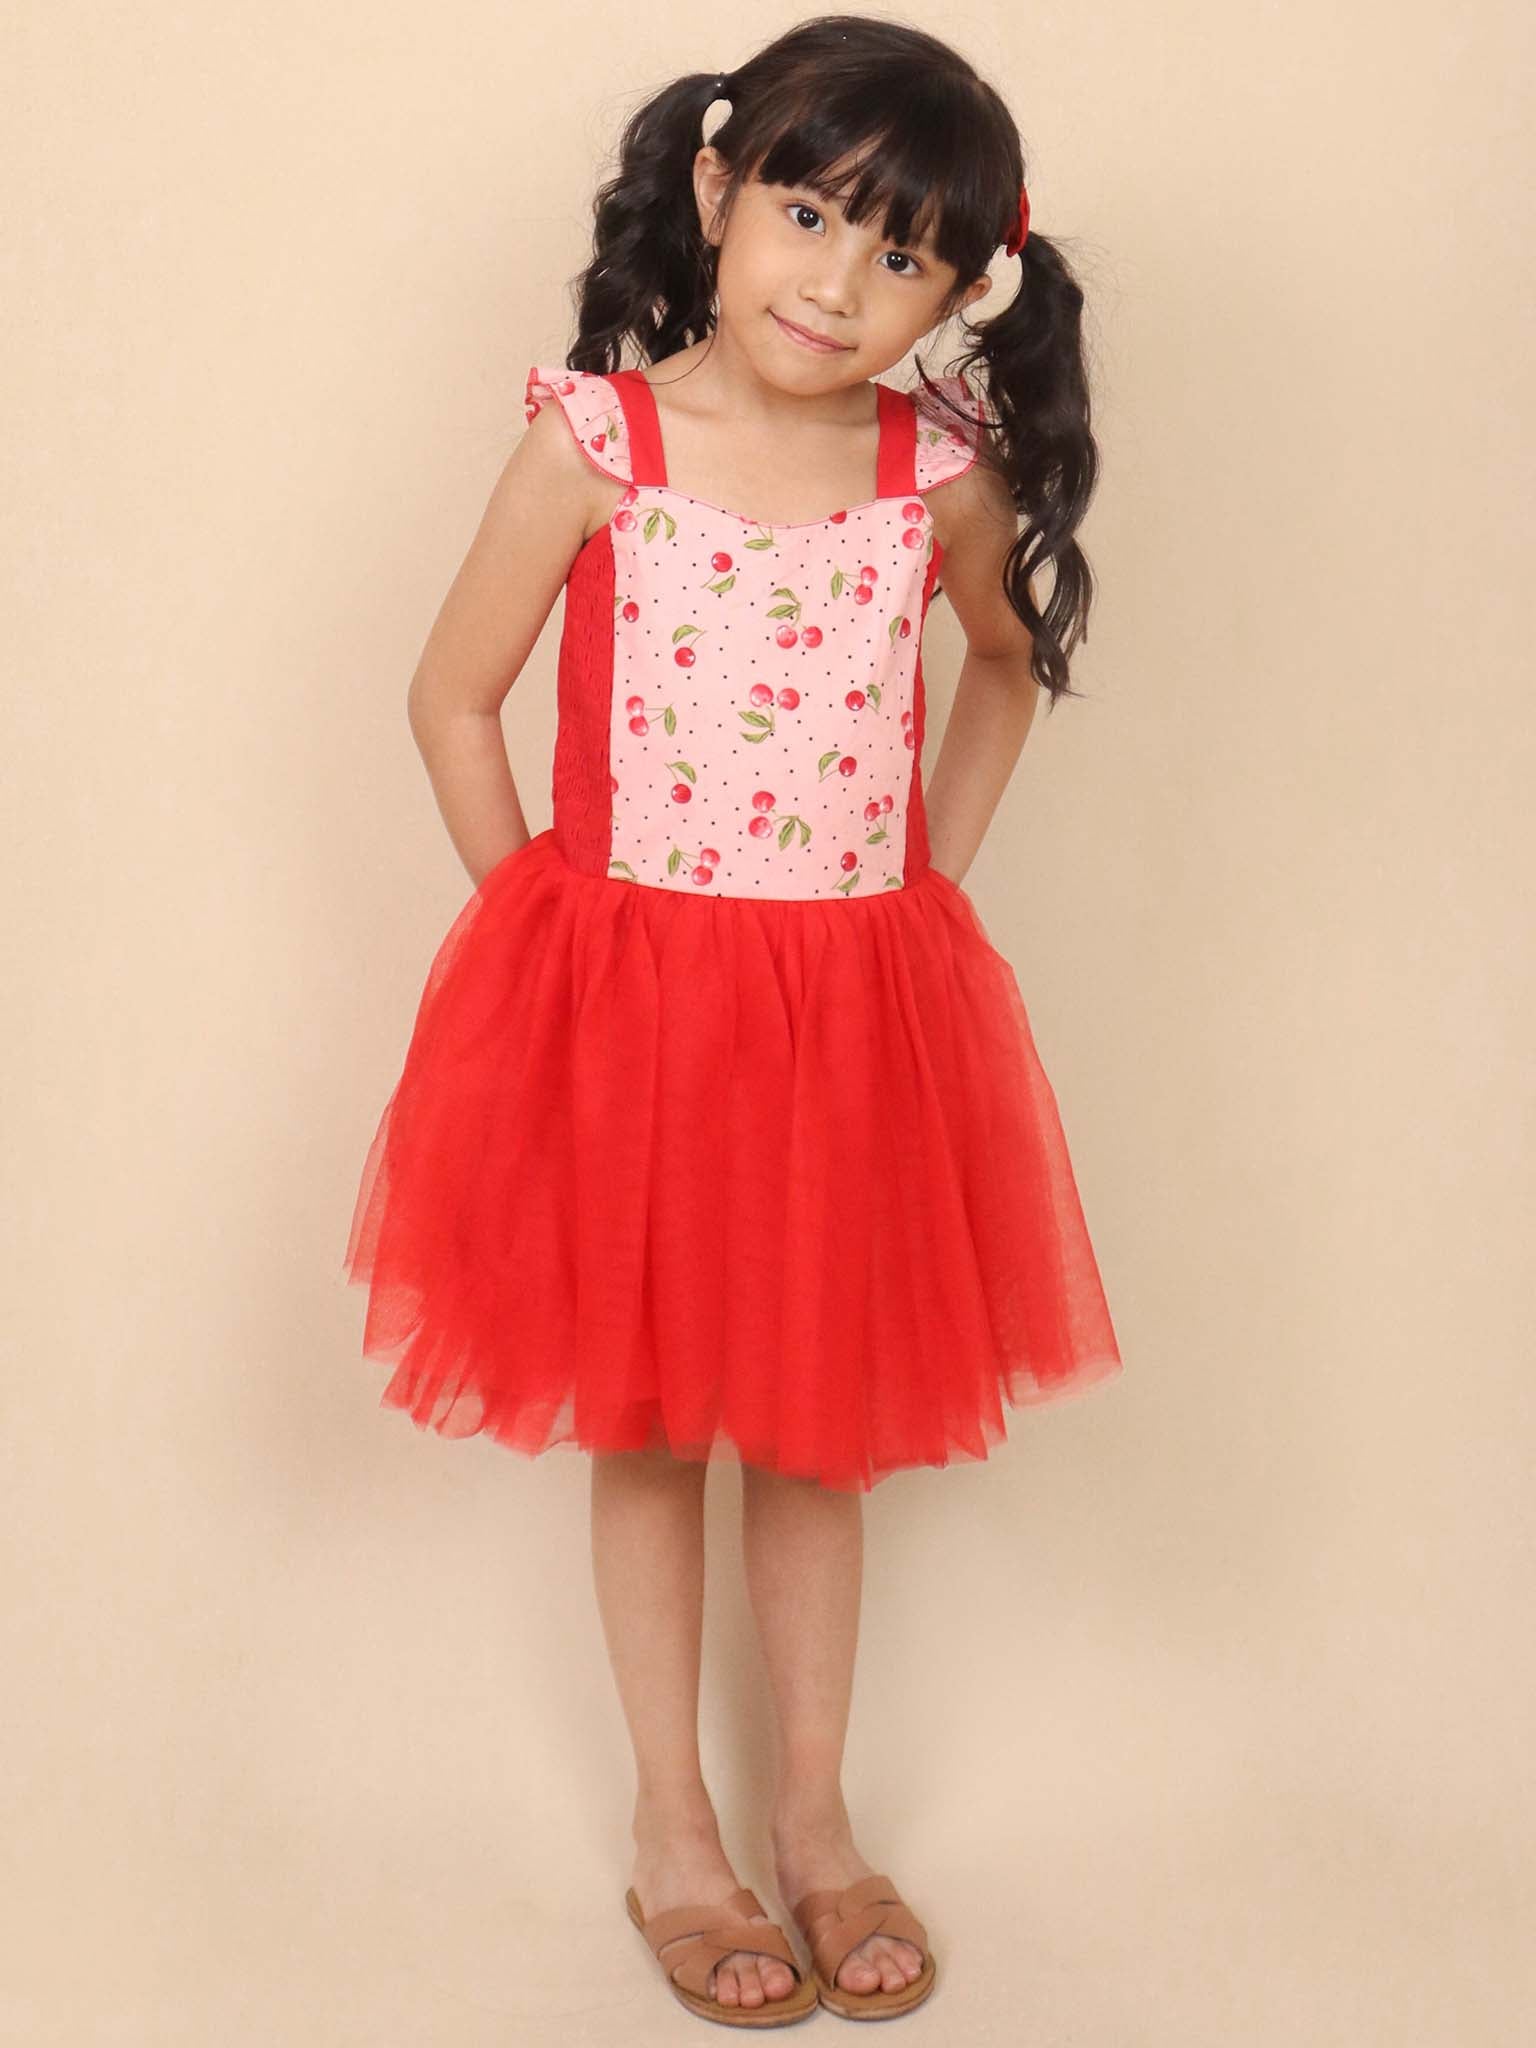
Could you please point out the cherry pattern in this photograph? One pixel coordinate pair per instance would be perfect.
(741, 647)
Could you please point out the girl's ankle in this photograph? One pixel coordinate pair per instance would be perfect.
(814, 1817)
(673, 1814)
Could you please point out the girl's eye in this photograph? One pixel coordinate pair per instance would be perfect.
(799, 206)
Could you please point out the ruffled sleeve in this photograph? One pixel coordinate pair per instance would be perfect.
(946, 446)
(592, 410)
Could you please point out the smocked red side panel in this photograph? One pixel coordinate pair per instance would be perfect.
(917, 809)
(582, 787)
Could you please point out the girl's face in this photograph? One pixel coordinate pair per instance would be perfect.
(789, 259)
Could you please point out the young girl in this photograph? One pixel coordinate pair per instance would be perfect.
(721, 1132)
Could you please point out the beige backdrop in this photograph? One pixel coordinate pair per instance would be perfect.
(1200, 1713)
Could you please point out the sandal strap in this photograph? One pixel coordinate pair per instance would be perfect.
(717, 1931)
(835, 1922)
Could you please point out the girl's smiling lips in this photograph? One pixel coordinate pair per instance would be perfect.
(808, 339)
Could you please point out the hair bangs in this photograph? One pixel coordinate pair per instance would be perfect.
(895, 172)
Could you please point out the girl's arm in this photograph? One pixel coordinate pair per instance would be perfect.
(539, 514)
(975, 523)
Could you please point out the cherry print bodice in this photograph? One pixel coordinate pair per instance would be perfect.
(741, 704)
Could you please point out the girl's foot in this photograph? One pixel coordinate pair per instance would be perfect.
(685, 1865)
(810, 1857)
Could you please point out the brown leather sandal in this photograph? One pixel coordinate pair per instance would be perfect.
(716, 1931)
(833, 1922)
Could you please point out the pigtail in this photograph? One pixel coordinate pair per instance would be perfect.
(1040, 439)
(651, 278)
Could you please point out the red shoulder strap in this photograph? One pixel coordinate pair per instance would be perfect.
(647, 462)
(897, 461)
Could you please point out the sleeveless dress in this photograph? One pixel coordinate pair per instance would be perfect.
(721, 1127)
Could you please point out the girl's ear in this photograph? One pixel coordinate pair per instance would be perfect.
(711, 174)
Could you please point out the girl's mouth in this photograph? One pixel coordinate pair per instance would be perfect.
(807, 339)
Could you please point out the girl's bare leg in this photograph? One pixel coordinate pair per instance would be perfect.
(648, 1566)
(803, 1546)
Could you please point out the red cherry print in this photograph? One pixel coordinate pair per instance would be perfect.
(630, 495)
(812, 636)
(912, 511)
(887, 803)
(760, 826)
(613, 785)
(762, 800)
(914, 537)
(624, 521)
(837, 518)
(848, 765)
(905, 629)
(566, 386)
(634, 704)
(906, 718)
(702, 875)
(640, 725)
(847, 861)
(788, 698)
(631, 612)
(599, 441)
(681, 793)
(862, 593)
(871, 812)
(685, 657)
(910, 739)
(759, 694)
(720, 562)
(710, 856)
(854, 700)
(869, 575)
(786, 636)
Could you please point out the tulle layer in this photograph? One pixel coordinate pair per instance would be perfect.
(781, 1182)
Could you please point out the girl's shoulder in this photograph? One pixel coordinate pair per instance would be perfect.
(593, 410)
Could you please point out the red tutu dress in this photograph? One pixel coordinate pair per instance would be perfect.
(721, 1127)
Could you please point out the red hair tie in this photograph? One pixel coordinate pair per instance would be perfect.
(1015, 241)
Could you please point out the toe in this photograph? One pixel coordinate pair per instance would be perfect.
(749, 1980)
(892, 1976)
(858, 1972)
(907, 1959)
(778, 1979)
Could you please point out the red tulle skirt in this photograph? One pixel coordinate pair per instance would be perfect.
(782, 1182)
